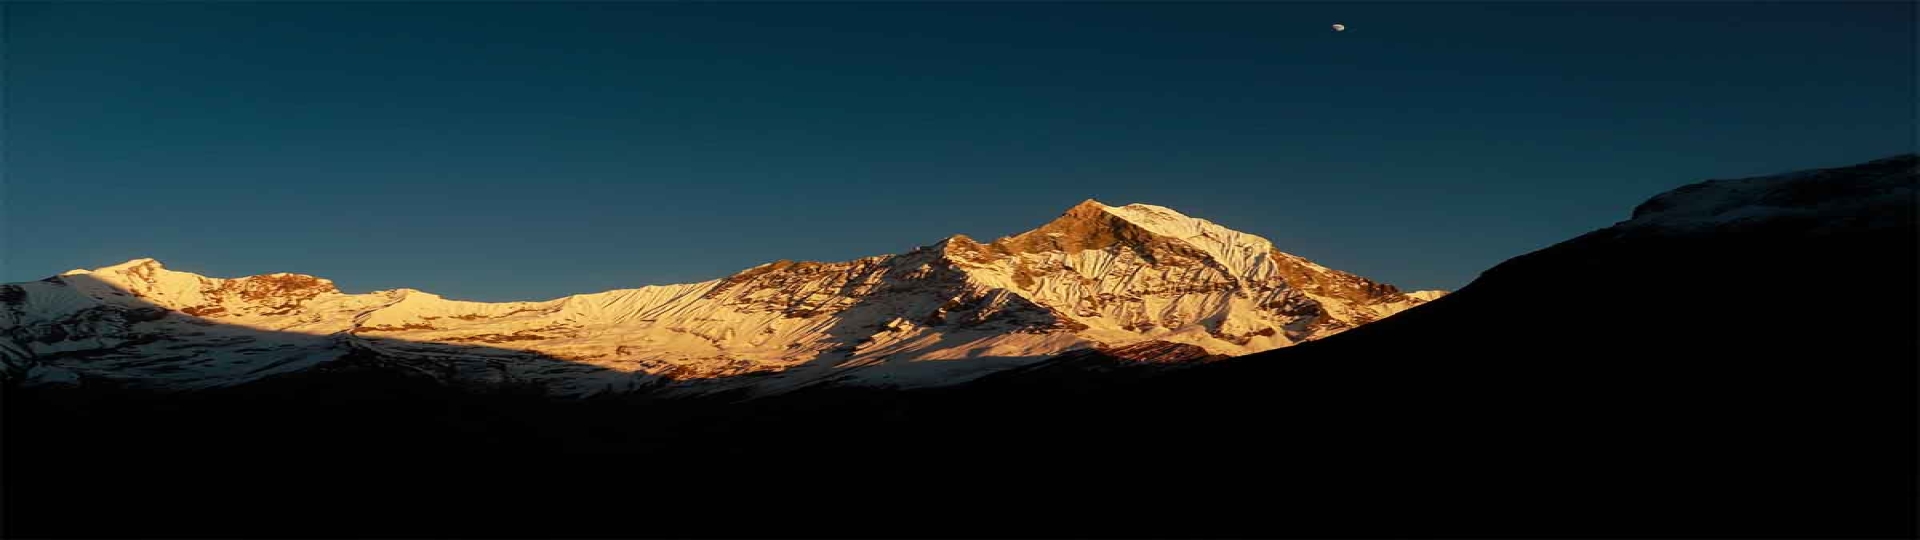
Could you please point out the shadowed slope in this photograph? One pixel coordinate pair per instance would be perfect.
(1747, 368)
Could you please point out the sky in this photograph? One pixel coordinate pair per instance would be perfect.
(518, 151)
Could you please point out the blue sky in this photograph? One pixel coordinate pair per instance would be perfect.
(500, 151)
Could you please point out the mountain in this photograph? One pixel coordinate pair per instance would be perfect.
(1098, 277)
(1740, 363)
(1745, 366)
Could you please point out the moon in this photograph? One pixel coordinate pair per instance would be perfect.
(1337, 27)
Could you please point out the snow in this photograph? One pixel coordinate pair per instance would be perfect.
(937, 315)
(1429, 295)
(1706, 206)
(50, 375)
(1241, 252)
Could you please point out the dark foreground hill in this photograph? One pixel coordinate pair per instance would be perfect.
(1741, 364)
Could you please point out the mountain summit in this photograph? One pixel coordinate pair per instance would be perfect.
(1100, 277)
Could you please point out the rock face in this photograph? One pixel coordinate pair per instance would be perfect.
(1097, 277)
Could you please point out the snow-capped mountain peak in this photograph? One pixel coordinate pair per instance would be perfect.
(1240, 252)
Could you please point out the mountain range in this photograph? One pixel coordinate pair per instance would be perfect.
(1740, 362)
(1113, 278)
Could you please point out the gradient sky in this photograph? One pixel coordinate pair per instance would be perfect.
(505, 151)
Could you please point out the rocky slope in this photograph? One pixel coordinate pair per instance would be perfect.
(1098, 277)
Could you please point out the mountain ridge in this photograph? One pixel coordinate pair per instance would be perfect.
(1096, 277)
(1749, 378)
